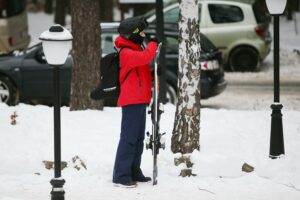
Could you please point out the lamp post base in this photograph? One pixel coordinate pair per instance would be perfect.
(57, 192)
(276, 141)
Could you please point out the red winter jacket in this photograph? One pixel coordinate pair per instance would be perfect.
(134, 62)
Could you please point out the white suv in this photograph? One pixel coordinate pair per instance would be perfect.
(240, 30)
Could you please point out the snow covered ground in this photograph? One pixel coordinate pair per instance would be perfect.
(228, 139)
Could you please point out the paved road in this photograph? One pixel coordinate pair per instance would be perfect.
(255, 95)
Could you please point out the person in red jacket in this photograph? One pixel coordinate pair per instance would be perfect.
(136, 83)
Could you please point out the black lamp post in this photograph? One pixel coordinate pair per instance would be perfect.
(160, 34)
(276, 8)
(56, 45)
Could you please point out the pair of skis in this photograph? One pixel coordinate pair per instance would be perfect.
(155, 141)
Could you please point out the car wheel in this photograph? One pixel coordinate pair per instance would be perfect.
(171, 94)
(8, 92)
(244, 59)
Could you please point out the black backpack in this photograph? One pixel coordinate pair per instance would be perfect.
(109, 86)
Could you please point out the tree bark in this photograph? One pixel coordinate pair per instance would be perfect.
(140, 9)
(86, 53)
(291, 7)
(289, 10)
(49, 6)
(185, 136)
(106, 12)
(60, 12)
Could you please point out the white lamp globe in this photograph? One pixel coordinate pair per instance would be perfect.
(276, 7)
(57, 42)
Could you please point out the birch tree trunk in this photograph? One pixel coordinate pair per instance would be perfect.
(185, 136)
(86, 53)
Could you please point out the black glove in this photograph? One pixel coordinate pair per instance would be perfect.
(153, 38)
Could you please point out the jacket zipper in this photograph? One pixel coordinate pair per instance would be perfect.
(140, 82)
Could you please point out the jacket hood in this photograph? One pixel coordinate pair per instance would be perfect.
(123, 42)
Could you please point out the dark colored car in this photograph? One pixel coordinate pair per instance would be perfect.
(26, 76)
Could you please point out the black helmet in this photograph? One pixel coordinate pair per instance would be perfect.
(130, 28)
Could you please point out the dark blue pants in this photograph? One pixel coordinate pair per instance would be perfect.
(131, 144)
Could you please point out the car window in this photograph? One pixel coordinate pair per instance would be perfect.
(206, 44)
(221, 13)
(171, 45)
(172, 16)
(33, 48)
(30, 51)
(107, 43)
